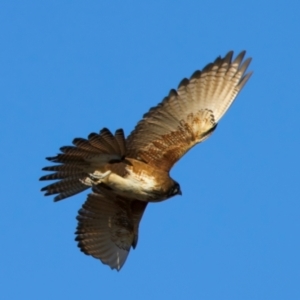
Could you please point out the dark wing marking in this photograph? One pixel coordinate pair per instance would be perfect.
(108, 227)
(190, 114)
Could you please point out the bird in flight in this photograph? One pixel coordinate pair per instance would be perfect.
(125, 174)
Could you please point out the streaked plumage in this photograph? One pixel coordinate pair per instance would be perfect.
(108, 226)
(126, 174)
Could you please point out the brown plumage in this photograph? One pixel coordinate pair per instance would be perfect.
(126, 174)
(108, 226)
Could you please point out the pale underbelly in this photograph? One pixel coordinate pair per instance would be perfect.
(144, 188)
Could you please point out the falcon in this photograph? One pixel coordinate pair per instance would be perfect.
(125, 174)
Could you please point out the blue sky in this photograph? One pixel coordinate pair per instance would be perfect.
(69, 68)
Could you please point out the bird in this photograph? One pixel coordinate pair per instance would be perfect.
(126, 174)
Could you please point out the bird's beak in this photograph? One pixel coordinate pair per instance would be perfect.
(180, 193)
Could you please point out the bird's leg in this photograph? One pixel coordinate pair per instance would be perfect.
(97, 176)
(94, 178)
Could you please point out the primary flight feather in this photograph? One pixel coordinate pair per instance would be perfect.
(126, 174)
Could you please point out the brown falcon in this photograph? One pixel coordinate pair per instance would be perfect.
(127, 173)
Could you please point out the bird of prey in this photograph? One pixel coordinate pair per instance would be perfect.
(125, 174)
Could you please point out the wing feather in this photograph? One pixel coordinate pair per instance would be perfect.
(108, 227)
(189, 115)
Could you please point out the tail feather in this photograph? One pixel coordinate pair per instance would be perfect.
(97, 141)
(84, 144)
(120, 139)
(62, 175)
(71, 192)
(78, 161)
(76, 167)
(110, 140)
(75, 151)
(65, 158)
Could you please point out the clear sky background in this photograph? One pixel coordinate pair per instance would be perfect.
(69, 68)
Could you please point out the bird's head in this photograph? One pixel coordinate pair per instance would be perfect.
(174, 190)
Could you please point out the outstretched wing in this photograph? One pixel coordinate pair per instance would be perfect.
(76, 162)
(190, 114)
(108, 227)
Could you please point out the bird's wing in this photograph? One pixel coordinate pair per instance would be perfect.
(190, 114)
(76, 162)
(108, 226)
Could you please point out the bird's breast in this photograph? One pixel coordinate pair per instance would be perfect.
(140, 182)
